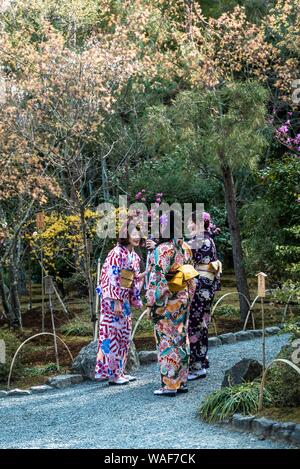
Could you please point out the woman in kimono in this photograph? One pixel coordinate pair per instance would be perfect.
(209, 268)
(119, 289)
(169, 312)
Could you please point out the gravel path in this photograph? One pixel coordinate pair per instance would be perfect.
(93, 415)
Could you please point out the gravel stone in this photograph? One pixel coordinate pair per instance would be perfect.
(295, 436)
(227, 338)
(243, 335)
(242, 422)
(256, 332)
(282, 431)
(95, 415)
(262, 427)
(19, 392)
(147, 357)
(38, 389)
(272, 330)
(62, 381)
(214, 342)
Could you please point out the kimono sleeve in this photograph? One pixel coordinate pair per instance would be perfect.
(110, 276)
(159, 265)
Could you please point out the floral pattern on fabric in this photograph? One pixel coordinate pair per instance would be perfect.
(199, 316)
(115, 312)
(170, 312)
(120, 258)
(114, 340)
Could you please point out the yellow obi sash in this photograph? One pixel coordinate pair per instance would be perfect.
(179, 279)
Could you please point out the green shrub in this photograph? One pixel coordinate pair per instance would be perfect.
(283, 382)
(227, 311)
(77, 327)
(12, 342)
(41, 370)
(76, 284)
(289, 291)
(292, 328)
(225, 402)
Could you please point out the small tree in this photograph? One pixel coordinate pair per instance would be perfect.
(222, 129)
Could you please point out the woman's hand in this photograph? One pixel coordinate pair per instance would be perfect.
(118, 306)
(150, 244)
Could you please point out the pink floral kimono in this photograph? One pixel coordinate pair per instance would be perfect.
(115, 312)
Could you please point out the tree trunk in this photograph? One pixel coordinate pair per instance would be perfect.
(14, 292)
(87, 266)
(4, 299)
(234, 228)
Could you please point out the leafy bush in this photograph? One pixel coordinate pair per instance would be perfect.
(76, 284)
(77, 327)
(227, 311)
(288, 289)
(225, 402)
(11, 344)
(283, 382)
(41, 370)
(292, 328)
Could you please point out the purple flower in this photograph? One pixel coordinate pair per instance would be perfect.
(163, 219)
(283, 129)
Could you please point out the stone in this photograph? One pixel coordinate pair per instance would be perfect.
(256, 332)
(262, 427)
(40, 389)
(85, 362)
(272, 330)
(214, 342)
(243, 335)
(242, 422)
(133, 361)
(245, 370)
(3, 394)
(19, 392)
(146, 357)
(282, 431)
(227, 338)
(63, 381)
(295, 436)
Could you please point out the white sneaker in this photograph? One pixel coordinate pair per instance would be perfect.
(118, 381)
(165, 392)
(201, 373)
(193, 376)
(130, 378)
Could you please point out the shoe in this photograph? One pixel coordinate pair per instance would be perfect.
(183, 389)
(100, 378)
(118, 381)
(192, 376)
(201, 373)
(165, 392)
(129, 377)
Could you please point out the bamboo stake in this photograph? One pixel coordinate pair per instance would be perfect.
(54, 332)
(96, 324)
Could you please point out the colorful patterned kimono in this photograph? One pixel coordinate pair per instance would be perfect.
(170, 311)
(114, 325)
(199, 317)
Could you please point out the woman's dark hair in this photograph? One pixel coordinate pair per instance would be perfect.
(194, 219)
(171, 229)
(125, 230)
